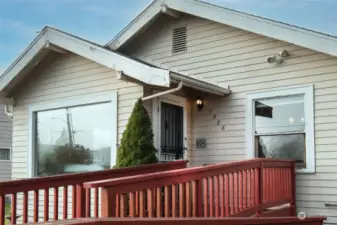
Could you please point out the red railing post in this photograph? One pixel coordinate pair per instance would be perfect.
(293, 189)
(80, 201)
(199, 198)
(108, 201)
(260, 190)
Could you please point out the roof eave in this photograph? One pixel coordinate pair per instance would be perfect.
(299, 36)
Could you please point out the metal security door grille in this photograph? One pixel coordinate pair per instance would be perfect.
(172, 132)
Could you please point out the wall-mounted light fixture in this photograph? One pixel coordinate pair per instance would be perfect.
(200, 103)
(278, 58)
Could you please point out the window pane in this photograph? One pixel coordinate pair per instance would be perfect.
(76, 139)
(5, 154)
(279, 115)
(282, 146)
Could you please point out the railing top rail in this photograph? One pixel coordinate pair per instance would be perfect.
(194, 221)
(77, 178)
(202, 170)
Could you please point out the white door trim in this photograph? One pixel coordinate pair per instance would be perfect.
(156, 118)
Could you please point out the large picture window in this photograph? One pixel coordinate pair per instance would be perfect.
(280, 125)
(72, 139)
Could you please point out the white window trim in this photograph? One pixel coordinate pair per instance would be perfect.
(10, 154)
(112, 98)
(308, 92)
(156, 118)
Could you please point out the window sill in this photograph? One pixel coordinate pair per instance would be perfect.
(306, 171)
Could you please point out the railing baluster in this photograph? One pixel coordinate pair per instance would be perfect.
(159, 202)
(2, 209)
(194, 201)
(46, 205)
(174, 200)
(141, 203)
(188, 199)
(137, 203)
(240, 190)
(222, 195)
(118, 205)
(236, 182)
(256, 183)
(182, 200)
(13, 208)
(56, 203)
(244, 190)
(167, 201)
(211, 196)
(226, 187)
(231, 192)
(87, 202)
(96, 197)
(205, 197)
(149, 203)
(122, 205)
(25, 207)
(73, 201)
(36, 206)
(65, 202)
(216, 192)
(132, 208)
(249, 187)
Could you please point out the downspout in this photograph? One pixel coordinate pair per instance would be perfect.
(180, 86)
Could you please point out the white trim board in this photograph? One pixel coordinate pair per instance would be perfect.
(112, 98)
(51, 39)
(156, 118)
(308, 92)
(302, 37)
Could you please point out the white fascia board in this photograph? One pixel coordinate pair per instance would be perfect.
(18, 65)
(49, 36)
(302, 37)
(137, 24)
(132, 68)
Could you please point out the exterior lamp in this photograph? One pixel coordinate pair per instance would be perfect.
(200, 103)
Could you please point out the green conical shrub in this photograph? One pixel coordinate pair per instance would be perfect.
(137, 142)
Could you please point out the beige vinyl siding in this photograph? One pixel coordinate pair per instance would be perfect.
(237, 58)
(66, 78)
(5, 142)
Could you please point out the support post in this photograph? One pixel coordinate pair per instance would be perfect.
(260, 192)
(293, 189)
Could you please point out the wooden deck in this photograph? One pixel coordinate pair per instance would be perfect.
(251, 188)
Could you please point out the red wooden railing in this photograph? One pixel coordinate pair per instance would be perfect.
(197, 221)
(28, 187)
(244, 188)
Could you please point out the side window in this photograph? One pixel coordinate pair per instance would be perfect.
(280, 124)
(5, 154)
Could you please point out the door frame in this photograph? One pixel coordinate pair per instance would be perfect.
(156, 119)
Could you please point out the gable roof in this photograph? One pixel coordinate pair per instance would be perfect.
(299, 36)
(51, 39)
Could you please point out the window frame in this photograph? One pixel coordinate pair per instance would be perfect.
(308, 93)
(10, 155)
(59, 104)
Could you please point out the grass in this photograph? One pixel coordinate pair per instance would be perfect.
(7, 213)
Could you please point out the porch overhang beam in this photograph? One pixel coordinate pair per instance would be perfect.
(199, 85)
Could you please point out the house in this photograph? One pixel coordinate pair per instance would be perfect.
(5, 145)
(219, 85)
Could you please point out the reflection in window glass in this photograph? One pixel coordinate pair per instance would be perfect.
(277, 115)
(282, 147)
(76, 139)
(280, 128)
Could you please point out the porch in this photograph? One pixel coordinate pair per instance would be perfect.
(251, 188)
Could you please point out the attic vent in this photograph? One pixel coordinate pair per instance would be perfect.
(179, 40)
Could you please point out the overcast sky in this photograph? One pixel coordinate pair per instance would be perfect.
(101, 20)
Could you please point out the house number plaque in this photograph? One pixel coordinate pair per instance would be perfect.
(201, 143)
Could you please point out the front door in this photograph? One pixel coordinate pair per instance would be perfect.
(171, 132)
